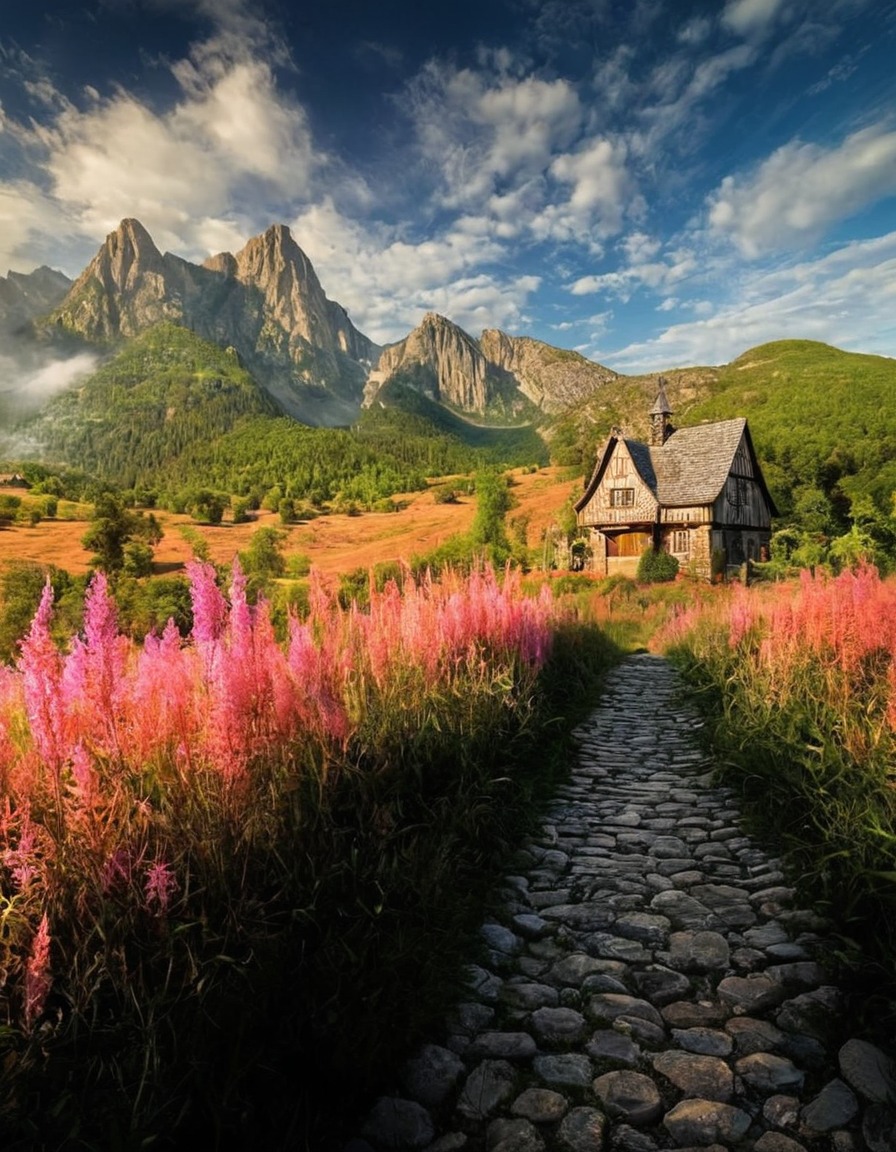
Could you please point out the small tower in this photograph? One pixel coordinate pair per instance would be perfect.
(660, 426)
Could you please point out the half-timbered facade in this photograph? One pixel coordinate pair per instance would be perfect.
(695, 492)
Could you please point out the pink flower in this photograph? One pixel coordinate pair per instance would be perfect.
(38, 977)
(160, 886)
(41, 668)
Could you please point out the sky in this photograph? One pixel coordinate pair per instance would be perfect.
(653, 184)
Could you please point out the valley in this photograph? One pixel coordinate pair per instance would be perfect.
(334, 544)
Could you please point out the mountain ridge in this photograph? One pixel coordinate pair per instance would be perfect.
(266, 301)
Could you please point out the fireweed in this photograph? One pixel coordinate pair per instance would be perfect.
(157, 799)
(803, 679)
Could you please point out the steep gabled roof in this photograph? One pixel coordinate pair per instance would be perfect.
(689, 469)
(693, 465)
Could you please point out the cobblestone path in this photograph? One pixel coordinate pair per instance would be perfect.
(648, 984)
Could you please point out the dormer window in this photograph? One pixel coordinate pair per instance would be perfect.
(622, 497)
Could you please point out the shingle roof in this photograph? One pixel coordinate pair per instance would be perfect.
(693, 464)
(689, 469)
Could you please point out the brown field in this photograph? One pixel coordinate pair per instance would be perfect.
(334, 543)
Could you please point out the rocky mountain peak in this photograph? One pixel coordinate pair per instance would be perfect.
(443, 362)
(266, 302)
(126, 255)
(25, 296)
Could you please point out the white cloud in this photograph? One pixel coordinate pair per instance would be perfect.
(695, 31)
(845, 298)
(388, 281)
(486, 135)
(751, 17)
(602, 194)
(801, 190)
(201, 173)
(640, 269)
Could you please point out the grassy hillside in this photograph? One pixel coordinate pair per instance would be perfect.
(823, 422)
(624, 402)
(821, 419)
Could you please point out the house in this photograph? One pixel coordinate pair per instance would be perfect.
(695, 492)
(13, 480)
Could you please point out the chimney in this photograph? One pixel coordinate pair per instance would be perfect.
(660, 426)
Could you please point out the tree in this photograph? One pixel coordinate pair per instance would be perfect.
(21, 585)
(263, 559)
(208, 507)
(112, 526)
(493, 502)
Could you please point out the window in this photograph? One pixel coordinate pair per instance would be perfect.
(681, 543)
(622, 497)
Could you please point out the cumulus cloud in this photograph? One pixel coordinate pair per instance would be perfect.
(643, 266)
(602, 192)
(845, 298)
(802, 190)
(195, 172)
(486, 134)
(388, 281)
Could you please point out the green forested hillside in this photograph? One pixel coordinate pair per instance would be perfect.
(172, 412)
(389, 450)
(133, 418)
(823, 423)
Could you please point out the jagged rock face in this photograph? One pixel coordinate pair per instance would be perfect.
(441, 361)
(496, 372)
(266, 302)
(26, 296)
(552, 378)
(122, 291)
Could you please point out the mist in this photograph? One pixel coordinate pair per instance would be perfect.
(28, 381)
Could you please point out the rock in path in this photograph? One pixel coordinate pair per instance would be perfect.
(646, 985)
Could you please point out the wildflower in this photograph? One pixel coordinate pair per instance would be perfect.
(160, 886)
(38, 978)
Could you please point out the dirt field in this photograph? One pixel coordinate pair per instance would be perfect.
(333, 543)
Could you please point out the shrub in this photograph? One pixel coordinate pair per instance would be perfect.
(657, 567)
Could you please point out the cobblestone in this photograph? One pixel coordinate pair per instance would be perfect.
(648, 984)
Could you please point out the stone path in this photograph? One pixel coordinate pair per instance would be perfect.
(648, 984)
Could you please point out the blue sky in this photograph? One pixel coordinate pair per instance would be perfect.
(653, 184)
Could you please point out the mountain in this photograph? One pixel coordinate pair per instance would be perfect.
(26, 296)
(265, 302)
(131, 420)
(553, 379)
(496, 377)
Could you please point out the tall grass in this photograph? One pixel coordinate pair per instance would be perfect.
(229, 868)
(801, 678)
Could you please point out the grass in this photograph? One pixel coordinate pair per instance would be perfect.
(244, 857)
(800, 683)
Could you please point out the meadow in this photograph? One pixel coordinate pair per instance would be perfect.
(243, 864)
(226, 861)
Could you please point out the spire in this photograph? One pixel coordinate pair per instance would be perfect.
(660, 426)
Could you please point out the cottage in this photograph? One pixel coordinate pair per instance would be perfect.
(695, 492)
(13, 480)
